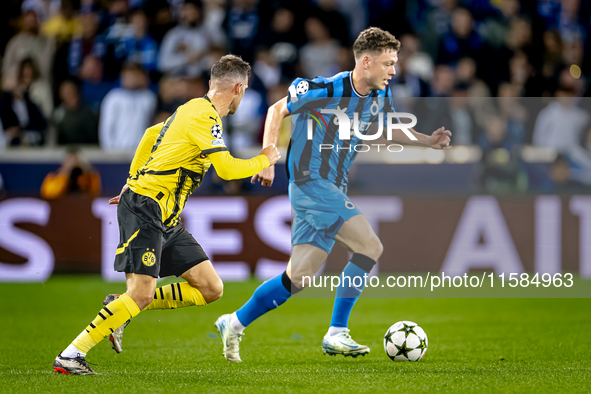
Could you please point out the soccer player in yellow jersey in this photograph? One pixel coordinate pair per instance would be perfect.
(170, 162)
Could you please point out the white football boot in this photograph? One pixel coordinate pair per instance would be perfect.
(230, 338)
(342, 343)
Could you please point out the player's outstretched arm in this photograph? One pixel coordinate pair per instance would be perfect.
(277, 112)
(440, 139)
(228, 167)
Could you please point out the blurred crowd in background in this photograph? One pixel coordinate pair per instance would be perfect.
(101, 71)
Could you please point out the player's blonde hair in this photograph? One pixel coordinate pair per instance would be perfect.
(374, 40)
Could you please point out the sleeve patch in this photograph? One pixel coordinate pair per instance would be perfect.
(302, 87)
(218, 142)
(216, 131)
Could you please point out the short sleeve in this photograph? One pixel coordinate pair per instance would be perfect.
(207, 133)
(304, 94)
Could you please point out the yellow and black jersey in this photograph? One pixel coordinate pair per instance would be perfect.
(173, 157)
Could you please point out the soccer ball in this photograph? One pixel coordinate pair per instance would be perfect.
(405, 341)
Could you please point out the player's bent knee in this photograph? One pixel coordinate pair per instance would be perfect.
(379, 248)
(213, 291)
(371, 247)
(142, 300)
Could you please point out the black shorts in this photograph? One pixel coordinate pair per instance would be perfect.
(147, 246)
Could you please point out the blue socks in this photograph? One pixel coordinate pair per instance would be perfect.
(352, 285)
(274, 292)
(266, 297)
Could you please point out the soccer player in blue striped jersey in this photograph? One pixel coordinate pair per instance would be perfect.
(318, 164)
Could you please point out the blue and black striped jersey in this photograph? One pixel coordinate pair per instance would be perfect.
(306, 160)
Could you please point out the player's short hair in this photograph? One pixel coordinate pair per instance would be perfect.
(374, 40)
(230, 67)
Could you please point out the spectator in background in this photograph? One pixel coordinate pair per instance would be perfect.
(86, 43)
(573, 52)
(114, 24)
(520, 72)
(463, 123)
(567, 21)
(433, 112)
(334, 21)
(560, 175)
(500, 171)
(418, 63)
(283, 37)
(480, 103)
(518, 48)
(160, 16)
(64, 25)
(355, 14)
(461, 41)
(75, 123)
(184, 46)
(20, 112)
(126, 112)
(75, 176)
(137, 46)
(242, 25)
(173, 92)
(320, 55)
(266, 68)
(438, 24)
(45, 9)
(443, 81)
(245, 125)
(514, 112)
(215, 12)
(561, 124)
(497, 27)
(38, 90)
(407, 83)
(27, 44)
(552, 53)
(94, 87)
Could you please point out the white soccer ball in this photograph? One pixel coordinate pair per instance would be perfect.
(405, 341)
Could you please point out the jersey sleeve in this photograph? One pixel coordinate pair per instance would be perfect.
(228, 167)
(144, 149)
(207, 133)
(304, 94)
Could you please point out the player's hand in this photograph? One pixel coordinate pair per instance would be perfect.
(115, 200)
(265, 177)
(440, 139)
(272, 153)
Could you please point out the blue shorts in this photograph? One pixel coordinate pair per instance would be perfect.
(321, 208)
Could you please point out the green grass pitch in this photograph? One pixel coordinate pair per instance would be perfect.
(475, 345)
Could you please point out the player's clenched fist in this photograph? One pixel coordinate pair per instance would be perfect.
(265, 177)
(272, 153)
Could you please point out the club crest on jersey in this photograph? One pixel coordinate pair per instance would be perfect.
(216, 131)
(302, 87)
